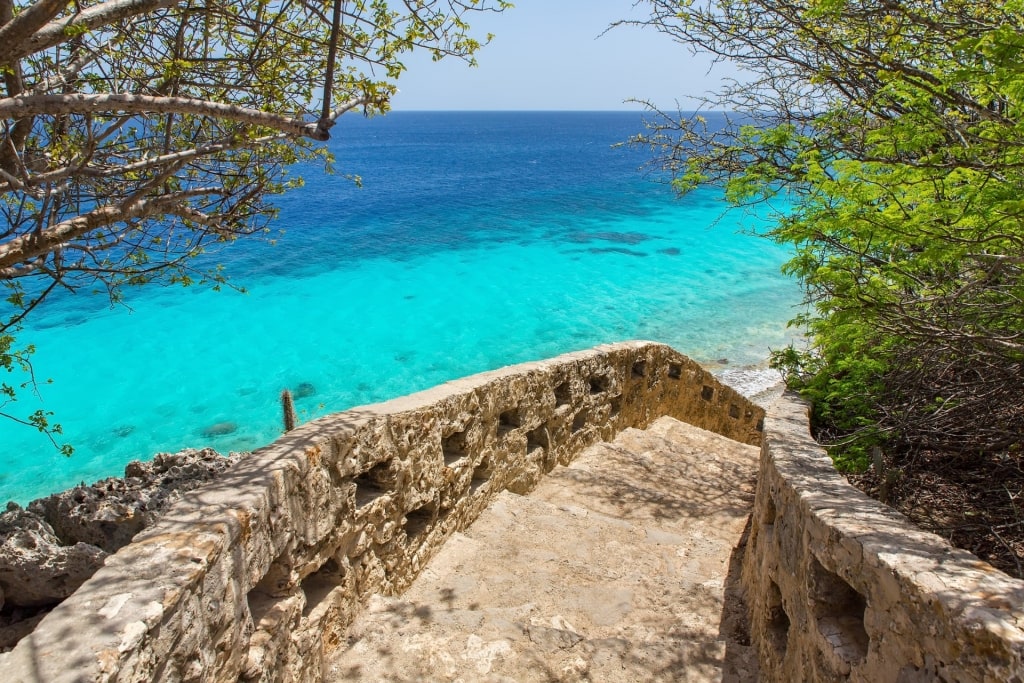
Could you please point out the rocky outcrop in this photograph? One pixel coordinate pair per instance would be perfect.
(50, 549)
(36, 569)
(111, 512)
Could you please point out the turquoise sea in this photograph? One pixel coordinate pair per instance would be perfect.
(477, 240)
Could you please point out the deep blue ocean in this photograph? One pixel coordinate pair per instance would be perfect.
(477, 240)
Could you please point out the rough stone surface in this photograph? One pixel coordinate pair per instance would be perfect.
(841, 587)
(109, 513)
(257, 575)
(53, 547)
(36, 569)
(613, 569)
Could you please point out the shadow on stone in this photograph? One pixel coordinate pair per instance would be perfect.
(740, 663)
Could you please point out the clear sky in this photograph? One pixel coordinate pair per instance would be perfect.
(550, 54)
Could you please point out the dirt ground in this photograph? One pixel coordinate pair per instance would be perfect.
(975, 502)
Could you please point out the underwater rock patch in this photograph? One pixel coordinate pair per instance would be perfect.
(616, 250)
(123, 430)
(608, 236)
(220, 429)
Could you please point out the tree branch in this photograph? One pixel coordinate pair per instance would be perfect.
(38, 243)
(81, 103)
(52, 33)
(15, 32)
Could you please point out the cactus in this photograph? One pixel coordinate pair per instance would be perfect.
(288, 408)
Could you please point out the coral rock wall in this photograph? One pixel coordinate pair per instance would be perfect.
(256, 576)
(842, 588)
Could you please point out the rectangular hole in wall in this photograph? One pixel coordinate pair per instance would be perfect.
(259, 605)
(675, 370)
(454, 447)
(374, 483)
(599, 384)
(318, 585)
(481, 475)
(839, 611)
(760, 425)
(734, 411)
(580, 421)
(639, 369)
(537, 438)
(616, 407)
(418, 522)
(508, 421)
(707, 393)
(770, 511)
(778, 620)
(563, 394)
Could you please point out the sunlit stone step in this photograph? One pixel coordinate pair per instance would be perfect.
(620, 567)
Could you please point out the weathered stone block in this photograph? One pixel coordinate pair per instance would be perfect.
(842, 587)
(257, 575)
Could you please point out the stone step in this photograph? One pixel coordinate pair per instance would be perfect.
(616, 568)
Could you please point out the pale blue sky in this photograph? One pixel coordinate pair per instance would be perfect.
(546, 54)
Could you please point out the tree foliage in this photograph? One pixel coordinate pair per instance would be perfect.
(896, 130)
(136, 133)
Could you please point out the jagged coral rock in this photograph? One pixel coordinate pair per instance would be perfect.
(35, 568)
(50, 549)
(112, 511)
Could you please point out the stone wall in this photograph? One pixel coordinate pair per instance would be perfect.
(256, 577)
(842, 588)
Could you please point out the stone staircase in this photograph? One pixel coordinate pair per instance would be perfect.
(623, 566)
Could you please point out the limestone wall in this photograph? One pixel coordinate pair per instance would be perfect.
(256, 576)
(842, 588)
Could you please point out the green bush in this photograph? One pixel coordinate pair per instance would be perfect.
(895, 132)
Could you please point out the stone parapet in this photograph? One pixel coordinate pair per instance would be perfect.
(841, 587)
(256, 576)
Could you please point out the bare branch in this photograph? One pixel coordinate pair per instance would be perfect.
(36, 244)
(25, 24)
(53, 33)
(81, 103)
